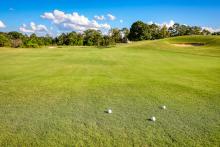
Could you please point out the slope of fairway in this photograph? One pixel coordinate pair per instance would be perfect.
(196, 45)
(58, 97)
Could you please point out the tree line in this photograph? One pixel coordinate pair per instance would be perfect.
(138, 31)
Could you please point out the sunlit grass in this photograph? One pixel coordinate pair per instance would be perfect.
(53, 97)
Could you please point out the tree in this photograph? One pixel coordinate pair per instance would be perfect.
(174, 30)
(15, 35)
(92, 37)
(206, 32)
(196, 30)
(47, 40)
(16, 39)
(124, 35)
(61, 40)
(139, 31)
(71, 38)
(4, 41)
(164, 32)
(116, 35)
(107, 41)
(155, 31)
(216, 33)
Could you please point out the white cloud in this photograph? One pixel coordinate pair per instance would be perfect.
(74, 21)
(2, 25)
(111, 17)
(210, 29)
(121, 21)
(167, 24)
(99, 17)
(33, 28)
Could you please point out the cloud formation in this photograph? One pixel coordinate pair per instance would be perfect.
(102, 17)
(74, 21)
(111, 17)
(167, 24)
(33, 28)
(2, 25)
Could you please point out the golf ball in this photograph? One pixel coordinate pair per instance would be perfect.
(153, 118)
(109, 111)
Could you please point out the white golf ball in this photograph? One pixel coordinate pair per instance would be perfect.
(109, 111)
(153, 118)
(164, 107)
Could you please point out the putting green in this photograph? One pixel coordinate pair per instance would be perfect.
(58, 96)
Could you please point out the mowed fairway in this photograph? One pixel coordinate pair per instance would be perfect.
(58, 97)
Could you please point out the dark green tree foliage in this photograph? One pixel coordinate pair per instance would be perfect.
(61, 40)
(92, 37)
(155, 31)
(216, 33)
(16, 39)
(116, 35)
(164, 32)
(4, 40)
(139, 31)
(107, 41)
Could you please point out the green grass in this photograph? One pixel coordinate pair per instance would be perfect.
(57, 97)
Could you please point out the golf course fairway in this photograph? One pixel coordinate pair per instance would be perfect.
(59, 96)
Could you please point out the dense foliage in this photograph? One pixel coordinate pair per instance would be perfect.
(142, 31)
(138, 31)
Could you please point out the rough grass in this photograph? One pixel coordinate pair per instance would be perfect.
(57, 97)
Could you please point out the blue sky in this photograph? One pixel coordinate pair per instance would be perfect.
(18, 14)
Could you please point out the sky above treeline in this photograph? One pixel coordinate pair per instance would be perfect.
(57, 16)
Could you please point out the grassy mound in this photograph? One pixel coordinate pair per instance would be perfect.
(194, 45)
(212, 41)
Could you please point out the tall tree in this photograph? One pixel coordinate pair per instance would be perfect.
(116, 35)
(4, 40)
(164, 32)
(92, 37)
(139, 31)
(155, 31)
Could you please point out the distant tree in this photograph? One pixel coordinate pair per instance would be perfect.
(16, 39)
(107, 41)
(71, 38)
(195, 30)
(116, 35)
(183, 30)
(80, 39)
(48, 40)
(61, 40)
(15, 35)
(4, 40)
(155, 31)
(206, 32)
(92, 37)
(164, 32)
(139, 31)
(174, 30)
(216, 33)
(33, 41)
(124, 35)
